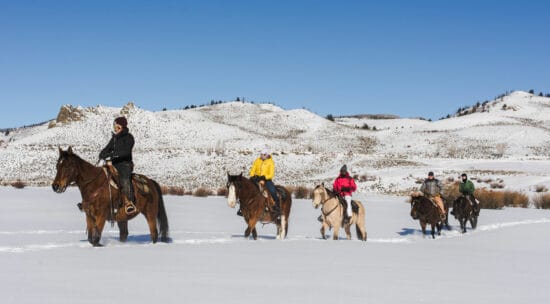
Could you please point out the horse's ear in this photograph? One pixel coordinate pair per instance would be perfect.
(70, 150)
(323, 184)
(241, 175)
(60, 150)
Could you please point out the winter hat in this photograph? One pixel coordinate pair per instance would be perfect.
(344, 169)
(121, 121)
(265, 151)
(430, 173)
(464, 175)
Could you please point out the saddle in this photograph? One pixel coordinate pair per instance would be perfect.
(140, 182)
(354, 206)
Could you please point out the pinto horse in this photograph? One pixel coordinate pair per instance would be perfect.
(256, 205)
(100, 196)
(463, 211)
(424, 210)
(333, 214)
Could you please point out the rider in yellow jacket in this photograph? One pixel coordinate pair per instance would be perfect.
(263, 168)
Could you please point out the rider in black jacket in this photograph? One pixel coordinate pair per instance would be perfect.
(119, 151)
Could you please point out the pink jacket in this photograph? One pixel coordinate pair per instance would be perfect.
(344, 184)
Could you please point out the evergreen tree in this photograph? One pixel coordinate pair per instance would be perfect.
(531, 91)
(330, 117)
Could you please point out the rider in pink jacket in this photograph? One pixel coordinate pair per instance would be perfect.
(344, 185)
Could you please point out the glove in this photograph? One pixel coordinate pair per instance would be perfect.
(345, 189)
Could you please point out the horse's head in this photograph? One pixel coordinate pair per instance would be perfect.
(66, 170)
(233, 185)
(415, 200)
(319, 195)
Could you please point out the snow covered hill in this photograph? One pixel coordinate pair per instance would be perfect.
(197, 147)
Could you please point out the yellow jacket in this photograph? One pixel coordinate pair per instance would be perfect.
(262, 167)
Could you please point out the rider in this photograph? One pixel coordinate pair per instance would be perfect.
(263, 169)
(119, 151)
(467, 189)
(432, 187)
(344, 185)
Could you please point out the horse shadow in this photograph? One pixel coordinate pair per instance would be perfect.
(408, 231)
(134, 239)
(260, 237)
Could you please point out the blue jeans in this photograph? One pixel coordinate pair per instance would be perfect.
(272, 190)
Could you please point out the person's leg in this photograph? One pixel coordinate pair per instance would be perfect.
(439, 202)
(273, 191)
(348, 205)
(125, 175)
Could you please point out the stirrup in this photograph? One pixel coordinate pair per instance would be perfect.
(130, 208)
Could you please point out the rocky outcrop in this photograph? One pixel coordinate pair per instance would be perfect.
(67, 114)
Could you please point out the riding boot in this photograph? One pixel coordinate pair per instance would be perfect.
(129, 206)
(239, 212)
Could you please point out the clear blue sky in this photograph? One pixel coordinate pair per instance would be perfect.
(410, 58)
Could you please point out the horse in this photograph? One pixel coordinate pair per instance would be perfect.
(256, 205)
(427, 212)
(100, 196)
(463, 211)
(333, 214)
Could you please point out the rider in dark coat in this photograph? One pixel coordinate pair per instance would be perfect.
(467, 189)
(119, 151)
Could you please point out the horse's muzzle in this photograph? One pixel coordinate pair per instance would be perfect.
(58, 189)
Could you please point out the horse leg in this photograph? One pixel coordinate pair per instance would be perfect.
(423, 227)
(89, 228)
(439, 227)
(433, 230)
(336, 232)
(324, 226)
(152, 222)
(347, 229)
(251, 228)
(281, 231)
(123, 230)
(97, 230)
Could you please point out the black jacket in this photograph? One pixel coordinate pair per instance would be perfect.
(119, 148)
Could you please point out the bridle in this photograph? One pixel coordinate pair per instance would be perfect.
(326, 200)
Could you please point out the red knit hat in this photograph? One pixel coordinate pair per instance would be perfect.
(121, 121)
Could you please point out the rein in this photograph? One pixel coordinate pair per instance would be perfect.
(333, 209)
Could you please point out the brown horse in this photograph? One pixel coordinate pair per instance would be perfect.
(423, 209)
(257, 206)
(463, 211)
(100, 196)
(333, 214)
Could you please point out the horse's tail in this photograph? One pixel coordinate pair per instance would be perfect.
(360, 222)
(161, 216)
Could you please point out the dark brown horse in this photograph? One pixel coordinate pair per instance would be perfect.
(100, 196)
(424, 210)
(463, 211)
(256, 205)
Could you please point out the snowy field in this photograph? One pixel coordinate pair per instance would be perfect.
(45, 257)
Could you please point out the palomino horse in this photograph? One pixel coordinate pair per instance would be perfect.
(257, 207)
(99, 196)
(427, 212)
(333, 214)
(463, 211)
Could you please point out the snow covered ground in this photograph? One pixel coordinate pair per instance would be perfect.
(45, 258)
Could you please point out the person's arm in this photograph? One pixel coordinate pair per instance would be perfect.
(353, 186)
(423, 187)
(253, 169)
(107, 151)
(269, 169)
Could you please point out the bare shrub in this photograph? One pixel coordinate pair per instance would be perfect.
(419, 180)
(176, 191)
(515, 199)
(222, 191)
(18, 184)
(489, 199)
(542, 201)
(450, 179)
(540, 188)
(450, 192)
(202, 192)
(164, 189)
(501, 149)
(189, 192)
(301, 192)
